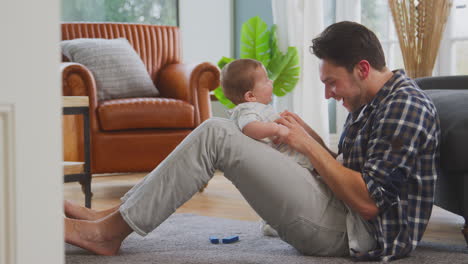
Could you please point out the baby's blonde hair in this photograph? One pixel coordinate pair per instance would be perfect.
(237, 78)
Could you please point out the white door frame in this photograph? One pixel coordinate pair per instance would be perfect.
(31, 180)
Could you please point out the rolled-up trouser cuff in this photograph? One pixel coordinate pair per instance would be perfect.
(129, 221)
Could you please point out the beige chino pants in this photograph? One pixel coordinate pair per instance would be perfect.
(300, 207)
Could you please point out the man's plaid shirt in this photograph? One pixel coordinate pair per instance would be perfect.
(394, 143)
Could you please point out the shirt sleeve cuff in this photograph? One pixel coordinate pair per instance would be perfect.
(382, 198)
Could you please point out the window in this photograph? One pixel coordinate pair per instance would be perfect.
(376, 15)
(330, 18)
(156, 12)
(453, 55)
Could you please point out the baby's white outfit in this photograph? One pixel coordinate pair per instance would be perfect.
(245, 113)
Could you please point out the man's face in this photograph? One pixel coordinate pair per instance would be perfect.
(263, 87)
(341, 85)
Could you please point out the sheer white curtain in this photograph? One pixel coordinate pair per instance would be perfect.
(346, 10)
(299, 21)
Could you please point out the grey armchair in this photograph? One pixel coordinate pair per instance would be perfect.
(450, 96)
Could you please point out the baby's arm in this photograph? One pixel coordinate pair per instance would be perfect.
(260, 130)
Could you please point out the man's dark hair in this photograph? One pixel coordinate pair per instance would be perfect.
(346, 43)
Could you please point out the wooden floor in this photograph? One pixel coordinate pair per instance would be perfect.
(221, 199)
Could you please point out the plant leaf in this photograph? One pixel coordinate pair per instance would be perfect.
(255, 40)
(275, 53)
(223, 61)
(288, 73)
(259, 43)
(218, 92)
(277, 65)
(274, 50)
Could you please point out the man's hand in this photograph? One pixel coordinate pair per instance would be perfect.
(299, 120)
(308, 129)
(297, 136)
(282, 131)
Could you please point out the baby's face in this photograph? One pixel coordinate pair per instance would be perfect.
(263, 88)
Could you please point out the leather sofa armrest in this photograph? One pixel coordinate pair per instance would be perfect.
(191, 83)
(77, 80)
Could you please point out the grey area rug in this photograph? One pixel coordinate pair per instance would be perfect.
(184, 238)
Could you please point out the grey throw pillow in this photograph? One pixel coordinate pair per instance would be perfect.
(118, 70)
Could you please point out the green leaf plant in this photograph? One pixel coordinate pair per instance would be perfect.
(259, 43)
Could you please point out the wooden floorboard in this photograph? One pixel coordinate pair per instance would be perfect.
(222, 199)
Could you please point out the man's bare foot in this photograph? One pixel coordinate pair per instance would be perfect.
(76, 211)
(87, 235)
(103, 237)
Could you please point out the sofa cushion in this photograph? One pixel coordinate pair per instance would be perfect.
(117, 68)
(136, 113)
(452, 107)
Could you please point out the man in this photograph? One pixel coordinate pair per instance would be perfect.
(389, 145)
(375, 205)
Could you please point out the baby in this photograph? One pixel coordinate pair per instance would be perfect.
(245, 82)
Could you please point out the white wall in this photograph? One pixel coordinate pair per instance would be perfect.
(206, 29)
(207, 34)
(31, 179)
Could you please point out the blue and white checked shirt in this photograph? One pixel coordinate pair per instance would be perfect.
(394, 143)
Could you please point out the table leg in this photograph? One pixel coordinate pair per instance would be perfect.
(87, 166)
(86, 188)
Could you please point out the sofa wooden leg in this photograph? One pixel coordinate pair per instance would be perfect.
(465, 232)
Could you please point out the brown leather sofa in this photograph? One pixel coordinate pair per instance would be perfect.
(136, 134)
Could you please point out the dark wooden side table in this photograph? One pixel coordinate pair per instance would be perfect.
(79, 171)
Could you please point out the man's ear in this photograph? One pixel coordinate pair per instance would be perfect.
(250, 97)
(363, 69)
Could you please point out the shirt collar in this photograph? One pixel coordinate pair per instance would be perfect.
(387, 88)
(379, 97)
